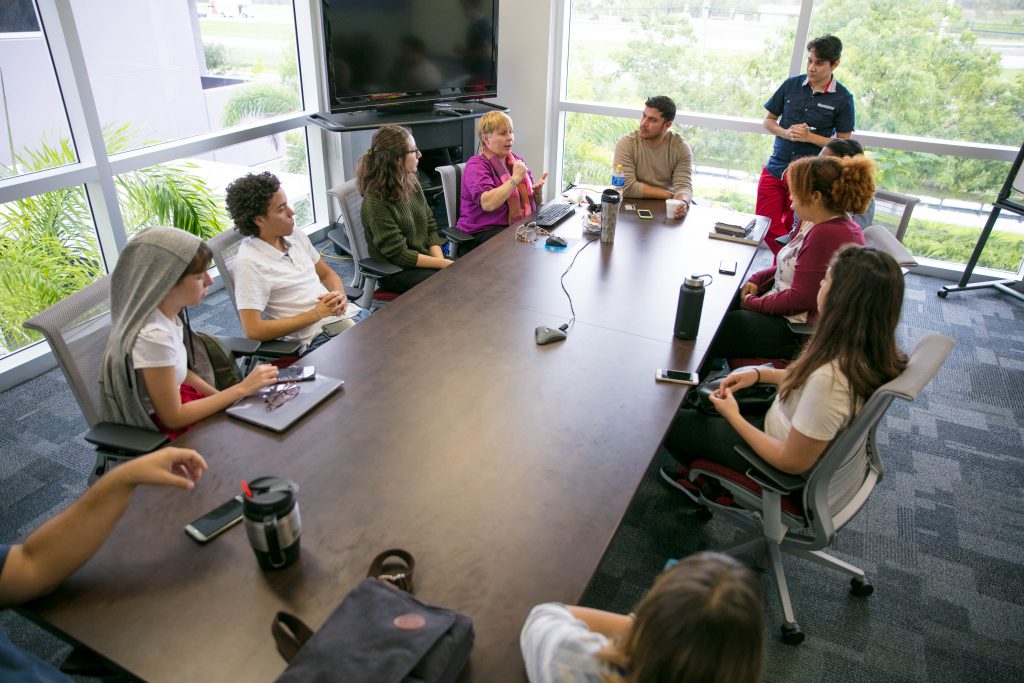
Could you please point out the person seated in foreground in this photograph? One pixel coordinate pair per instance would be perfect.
(497, 187)
(283, 288)
(59, 547)
(701, 621)
(851, 353)
(400, 227)
(657, 162)
(144, 374)
(824, 192)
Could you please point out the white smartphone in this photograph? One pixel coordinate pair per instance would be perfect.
(216, 521)
(677, 376)
(296, 374)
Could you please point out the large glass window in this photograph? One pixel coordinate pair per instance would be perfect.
(187, 68)
(48, 250)
(717, 58)
(189, 193)
(34, 131)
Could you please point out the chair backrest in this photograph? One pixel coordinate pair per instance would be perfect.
(878, 237)
(225, 247)
(351, 202)
(925, 361)
(77, 329)
(893, 210)
(451, 184)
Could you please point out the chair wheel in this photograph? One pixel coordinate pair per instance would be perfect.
(943, 293)
(791, 633)
(860, 587)
(704, 514)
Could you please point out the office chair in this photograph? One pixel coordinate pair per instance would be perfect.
(352, 238)
(225, 247)
(893, 211)
(451, 185)
(77, 329)
(786, 513)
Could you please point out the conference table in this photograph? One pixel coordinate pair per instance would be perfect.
(503, 466)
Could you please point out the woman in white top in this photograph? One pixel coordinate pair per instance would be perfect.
(145, 374)
(851, 353)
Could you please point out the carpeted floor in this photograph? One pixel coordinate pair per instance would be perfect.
(942, 537)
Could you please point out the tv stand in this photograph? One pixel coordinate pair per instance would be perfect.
(448, 138)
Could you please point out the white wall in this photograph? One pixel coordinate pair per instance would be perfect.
(525, 76)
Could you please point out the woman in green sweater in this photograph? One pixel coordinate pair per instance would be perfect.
(400, 227)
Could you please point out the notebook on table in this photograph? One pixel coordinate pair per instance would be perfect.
(253, 409)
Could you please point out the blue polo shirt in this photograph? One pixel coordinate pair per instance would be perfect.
(828, 112)
(16, 665)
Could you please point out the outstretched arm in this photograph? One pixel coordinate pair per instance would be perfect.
(67, 541)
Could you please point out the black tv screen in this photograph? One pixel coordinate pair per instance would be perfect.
(401, 52)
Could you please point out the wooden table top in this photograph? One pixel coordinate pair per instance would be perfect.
(503, 466)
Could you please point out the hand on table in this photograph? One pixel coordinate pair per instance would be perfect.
(261, 376)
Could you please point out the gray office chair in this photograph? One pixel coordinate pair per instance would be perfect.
(785, 513)
(225, 247)
(878, 237)
(352, 238)
(77, 329)
(451, 185)
(893, 210)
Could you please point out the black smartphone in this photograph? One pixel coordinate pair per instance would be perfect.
(644, 214)
(296, 373)
(677, 376)
(216, 521)
(727, 267)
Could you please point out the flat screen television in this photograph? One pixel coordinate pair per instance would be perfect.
(408, 54)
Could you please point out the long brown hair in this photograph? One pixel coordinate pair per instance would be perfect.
(703, 621)
(846, 184)
(857, 328)
(381, 172)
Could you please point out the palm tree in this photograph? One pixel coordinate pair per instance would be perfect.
(48, 246)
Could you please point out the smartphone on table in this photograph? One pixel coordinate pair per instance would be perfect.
(644, 214)
(296, 373)
(216, 521)
(677, 376)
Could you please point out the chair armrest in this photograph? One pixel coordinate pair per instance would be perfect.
(783, 239)
(375, 268)
(240, 346)
(278, 348)
(458, 236)
(340, 240)
(768, 476)
(124, 439)
(353, 293)
(805, 329)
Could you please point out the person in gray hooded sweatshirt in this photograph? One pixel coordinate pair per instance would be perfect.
(145, 376)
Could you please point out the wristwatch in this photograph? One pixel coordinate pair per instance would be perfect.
(512, 182)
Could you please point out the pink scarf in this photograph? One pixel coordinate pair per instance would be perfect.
(521, 202)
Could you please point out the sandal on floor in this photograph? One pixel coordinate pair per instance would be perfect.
(395, 566)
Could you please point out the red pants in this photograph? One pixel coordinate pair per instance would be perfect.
(773, 202)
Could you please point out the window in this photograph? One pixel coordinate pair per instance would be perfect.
(48, 250)
(174, 74)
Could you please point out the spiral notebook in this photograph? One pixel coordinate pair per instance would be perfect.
(253, 409)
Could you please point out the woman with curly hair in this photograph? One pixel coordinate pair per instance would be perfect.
(824, 191)
(400, 227)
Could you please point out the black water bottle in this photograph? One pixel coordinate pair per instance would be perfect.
(691, 302)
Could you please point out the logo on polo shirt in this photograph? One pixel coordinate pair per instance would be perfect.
(826, 106)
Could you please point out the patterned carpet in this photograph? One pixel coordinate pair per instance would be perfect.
(942, 538)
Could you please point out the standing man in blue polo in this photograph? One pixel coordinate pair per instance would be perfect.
(803, 115)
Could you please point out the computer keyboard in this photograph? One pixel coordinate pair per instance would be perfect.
(553, 214)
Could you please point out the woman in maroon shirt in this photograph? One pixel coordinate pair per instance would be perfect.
(824, 192)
